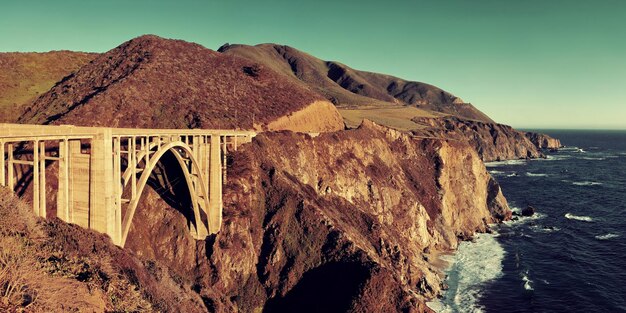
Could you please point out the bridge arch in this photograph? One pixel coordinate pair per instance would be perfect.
(198, 190)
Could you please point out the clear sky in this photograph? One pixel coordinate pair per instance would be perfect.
(527, 63)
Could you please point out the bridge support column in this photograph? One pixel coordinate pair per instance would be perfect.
(215, 185)
(102, 215)
(63, 192)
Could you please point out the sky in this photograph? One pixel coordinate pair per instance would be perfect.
(526, 63)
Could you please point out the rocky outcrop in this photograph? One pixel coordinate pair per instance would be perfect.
(307, 119)
(492, 141)
(543, 141)
(345, 221)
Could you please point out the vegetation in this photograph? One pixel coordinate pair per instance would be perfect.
(51, 266)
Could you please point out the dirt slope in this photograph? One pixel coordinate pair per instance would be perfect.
(25, 76)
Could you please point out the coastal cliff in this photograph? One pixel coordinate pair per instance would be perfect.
(346, 221)
(543, 141)
(492, 141)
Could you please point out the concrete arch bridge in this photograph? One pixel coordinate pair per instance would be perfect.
(102, 172)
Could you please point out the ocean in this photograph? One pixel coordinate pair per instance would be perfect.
(571, 255)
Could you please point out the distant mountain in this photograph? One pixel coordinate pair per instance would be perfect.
(24, 76)
(352, 89)
(152, 82)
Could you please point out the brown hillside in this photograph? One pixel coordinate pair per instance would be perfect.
(160, 83)
(351, 89)
(24, 76)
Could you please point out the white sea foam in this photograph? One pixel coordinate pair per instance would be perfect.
(522, 219)
(557, 157)
(544, 229)
(607, 236)
(512, 174)
(504, 163)
(572, 149)
(527, 282)
(594, 158)
(578, 218)
(474, 264)
(586, 183)
(536, 174)
(495, 172)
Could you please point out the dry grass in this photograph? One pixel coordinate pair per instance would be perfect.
(398, 117)
(25, 76)
(51, 266)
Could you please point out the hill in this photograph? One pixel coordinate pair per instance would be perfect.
(360, 94)
(152, 82)
(25, 76)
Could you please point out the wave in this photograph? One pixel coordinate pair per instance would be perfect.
(494, 172)
(512, 174)
(504, 163)
(573, 149)
(527, 282)
(519, 219)
(578, 218)
(556, 157)
(544, 229)
(536, 174)
(473, 264)
(586, 183)
(594, 158)
(607, 236)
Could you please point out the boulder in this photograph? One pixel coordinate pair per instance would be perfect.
(528, 211)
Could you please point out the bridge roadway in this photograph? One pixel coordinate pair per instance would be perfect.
(101, 172)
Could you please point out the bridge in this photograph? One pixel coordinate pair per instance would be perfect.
(97, 174)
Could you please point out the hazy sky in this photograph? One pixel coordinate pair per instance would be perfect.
(527, 63)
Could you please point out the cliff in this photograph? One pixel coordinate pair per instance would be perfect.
(543, 141)
(492, 141)
(350, 221)
(343, 222)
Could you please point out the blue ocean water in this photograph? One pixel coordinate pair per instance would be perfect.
(570, 256)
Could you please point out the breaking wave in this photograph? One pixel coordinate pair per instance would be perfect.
(527, 282)
(607, 236)
(536, 174)
(594, 158)
(504, 163)
(586, 183)
(578, 218)
(474, 264)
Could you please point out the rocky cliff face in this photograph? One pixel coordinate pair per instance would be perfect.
(492, 141)
(347, 221)
(543, 141)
